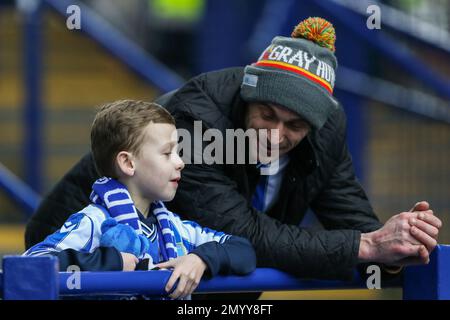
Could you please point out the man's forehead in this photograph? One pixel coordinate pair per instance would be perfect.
(283, 111)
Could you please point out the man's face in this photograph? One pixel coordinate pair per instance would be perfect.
(158, 166)
(291, 127)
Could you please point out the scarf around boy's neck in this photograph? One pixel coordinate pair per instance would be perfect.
(114, 196)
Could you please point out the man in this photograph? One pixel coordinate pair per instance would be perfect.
(289, 90)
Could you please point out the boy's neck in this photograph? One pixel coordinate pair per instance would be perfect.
(141, 203)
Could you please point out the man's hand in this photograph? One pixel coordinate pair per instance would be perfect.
(129, 261)
(425, 227)
(406, 239)
(189, 270)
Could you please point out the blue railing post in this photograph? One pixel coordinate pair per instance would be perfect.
(30, 278)
(432, 281)
(33, 104)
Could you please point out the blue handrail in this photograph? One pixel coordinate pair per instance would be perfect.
(101, 31)
(18, 190)
(385, 45)
(403, 23)
(38, 278)
(117, 44)
(153, 283)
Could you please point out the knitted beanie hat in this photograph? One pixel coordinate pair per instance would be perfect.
(297, 72)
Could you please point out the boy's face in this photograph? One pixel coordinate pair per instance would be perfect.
(158, 166)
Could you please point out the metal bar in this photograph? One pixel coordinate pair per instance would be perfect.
(18, 191)
(116, 43)
(393, 94)
(153, 282)
(33, 105)
(387, 46)
(407, 24)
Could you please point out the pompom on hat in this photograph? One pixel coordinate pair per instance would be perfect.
(297, 72)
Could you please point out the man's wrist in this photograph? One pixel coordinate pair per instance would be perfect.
(365, 248)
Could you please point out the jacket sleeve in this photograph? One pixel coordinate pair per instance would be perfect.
(71, 194)
(221, 252)
(208, 196)
(77, 243)
(234, 256)
(342, 202)
(101, 259)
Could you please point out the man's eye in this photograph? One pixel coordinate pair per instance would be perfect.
(298, 126)
(267, 116)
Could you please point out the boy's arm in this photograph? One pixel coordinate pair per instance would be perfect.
(70, 194)
(235, 256)
(77, 243)
(101, 259)
(222, 253)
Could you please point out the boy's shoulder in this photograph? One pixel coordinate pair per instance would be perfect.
(94, 212)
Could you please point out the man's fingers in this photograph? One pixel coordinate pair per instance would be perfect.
(429, 229)
(430, 218)
(420, 206)
(424, 238)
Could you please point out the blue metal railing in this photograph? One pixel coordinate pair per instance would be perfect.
(151, 283)
(106, 35)
(402, 56)
(38, 278)
(121, 47)
(405, 24)
(33, 111)
(18, 191)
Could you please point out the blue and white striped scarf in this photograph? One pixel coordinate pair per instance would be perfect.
(114, 196)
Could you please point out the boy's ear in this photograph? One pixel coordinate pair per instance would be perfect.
(125, 163)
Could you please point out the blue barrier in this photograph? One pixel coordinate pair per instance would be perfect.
(37, 278)
(430, 282)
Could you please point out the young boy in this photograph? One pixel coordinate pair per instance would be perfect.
(134, 145)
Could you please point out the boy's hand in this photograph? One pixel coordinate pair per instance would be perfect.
(129, 261)
(189, 270)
